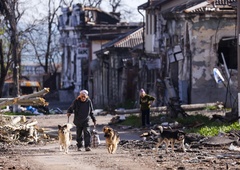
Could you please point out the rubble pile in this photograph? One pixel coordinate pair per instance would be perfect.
(17, 129)
(193, 142)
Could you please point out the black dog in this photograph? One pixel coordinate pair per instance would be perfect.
(167, 136)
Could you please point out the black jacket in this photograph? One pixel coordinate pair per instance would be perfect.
(82, 111)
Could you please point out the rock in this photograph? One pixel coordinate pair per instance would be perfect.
(217, 140)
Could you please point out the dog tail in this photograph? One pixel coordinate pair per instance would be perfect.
(116, 134)
(160, 128)
(154, 132)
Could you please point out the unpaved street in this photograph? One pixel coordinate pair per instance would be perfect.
(47, 156)
(132, 153)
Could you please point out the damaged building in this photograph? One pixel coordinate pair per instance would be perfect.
(83, 31)
(119, 74)
(191, 38)
(172, 56)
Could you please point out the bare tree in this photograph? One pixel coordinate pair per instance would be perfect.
(93, 3)
(39, 38)
(10, 11)
(115, 4)
(47, 50)
(44, 47)
(43, 38)
(44, 41)
(5, 63)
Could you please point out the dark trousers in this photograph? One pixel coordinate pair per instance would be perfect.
(83, 134)
(145, 117)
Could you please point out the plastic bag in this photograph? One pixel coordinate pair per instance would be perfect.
(95, 141)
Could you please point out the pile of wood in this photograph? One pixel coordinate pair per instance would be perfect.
(34, 99)
(18, 129)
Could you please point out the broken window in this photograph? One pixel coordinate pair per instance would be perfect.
(227, 52)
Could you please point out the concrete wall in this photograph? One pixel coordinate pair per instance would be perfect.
(205, 34)
(198, 37)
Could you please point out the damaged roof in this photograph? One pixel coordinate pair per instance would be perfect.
(102, 16)
(189, 6)
(130, 39)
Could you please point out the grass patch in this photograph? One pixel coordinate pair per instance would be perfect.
(132, 120)
(215, 129)
(200, 124)
(207, 127)
(211, 108)
(194, 119)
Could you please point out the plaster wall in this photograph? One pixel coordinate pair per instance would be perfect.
(205, 34)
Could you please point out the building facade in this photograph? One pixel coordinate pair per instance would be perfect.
(191, 38)
(85, 30)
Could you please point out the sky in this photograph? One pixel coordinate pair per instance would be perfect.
(132, 5)
(37, 7)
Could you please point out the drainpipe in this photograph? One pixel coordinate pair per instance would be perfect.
(238, 54)
(140, 58)
(143, 37)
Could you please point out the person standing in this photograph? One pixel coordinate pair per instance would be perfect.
(145, 104)
(82, 108)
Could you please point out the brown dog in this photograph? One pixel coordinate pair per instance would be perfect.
(112, 139)
(64, 137)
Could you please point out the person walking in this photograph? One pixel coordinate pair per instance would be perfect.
(145, 104)
(82, 108)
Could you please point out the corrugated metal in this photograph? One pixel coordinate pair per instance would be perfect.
(131, 40)
(217, 5)
(128, 40)
(210, 6)
(224, 2)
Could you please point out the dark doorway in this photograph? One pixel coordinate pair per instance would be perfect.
(228, 48)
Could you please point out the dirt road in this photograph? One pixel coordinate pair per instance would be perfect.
(130, 156)
(47, 156)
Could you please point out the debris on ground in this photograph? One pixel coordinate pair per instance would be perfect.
(18, 129)
(34, 99)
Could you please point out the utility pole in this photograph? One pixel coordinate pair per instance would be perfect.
(16, 64)
(15, 55)
(238, 54)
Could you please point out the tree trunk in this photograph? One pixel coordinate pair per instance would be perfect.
(33, 99)
(3, 69)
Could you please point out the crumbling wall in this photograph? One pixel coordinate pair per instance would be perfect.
(197, 38)
(205, 34)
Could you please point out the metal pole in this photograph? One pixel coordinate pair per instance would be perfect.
(238, 53)
(238, 106)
